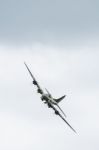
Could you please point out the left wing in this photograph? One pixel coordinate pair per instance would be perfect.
(61, 110)
(34, 80)
(58, 113)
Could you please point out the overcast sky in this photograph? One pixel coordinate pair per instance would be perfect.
(48, 21)
(59, 42)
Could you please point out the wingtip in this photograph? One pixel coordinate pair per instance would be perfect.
(65, 95)
(75, 131)
(24, 63)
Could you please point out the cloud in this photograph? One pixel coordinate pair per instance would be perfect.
(25, 121)
(59, 42)
(24, 22)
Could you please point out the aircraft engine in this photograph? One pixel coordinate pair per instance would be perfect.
(34, 82)
(39, 91)
(56, 112)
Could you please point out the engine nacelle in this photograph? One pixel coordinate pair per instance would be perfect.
(56, 112)
(34, 82)
(39, 91)
(49, 106)
(42, 98)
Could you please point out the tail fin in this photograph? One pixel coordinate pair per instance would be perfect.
(59, 99)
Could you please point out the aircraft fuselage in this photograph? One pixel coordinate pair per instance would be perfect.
(47, 98)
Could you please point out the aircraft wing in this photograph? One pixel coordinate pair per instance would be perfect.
(58, 113)
(48, 93)
(61, 110)
(66, 122)
(34, 80)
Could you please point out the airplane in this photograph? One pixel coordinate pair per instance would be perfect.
(48, 99)
(46, 96)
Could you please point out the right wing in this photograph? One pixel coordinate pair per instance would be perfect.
(34, 80)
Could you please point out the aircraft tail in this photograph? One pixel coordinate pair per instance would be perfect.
(59, 99)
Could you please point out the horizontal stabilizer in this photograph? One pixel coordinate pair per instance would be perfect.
(59, 99)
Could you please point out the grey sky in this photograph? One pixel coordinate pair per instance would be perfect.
(25, 122)
(59, 42)
(44, 21)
